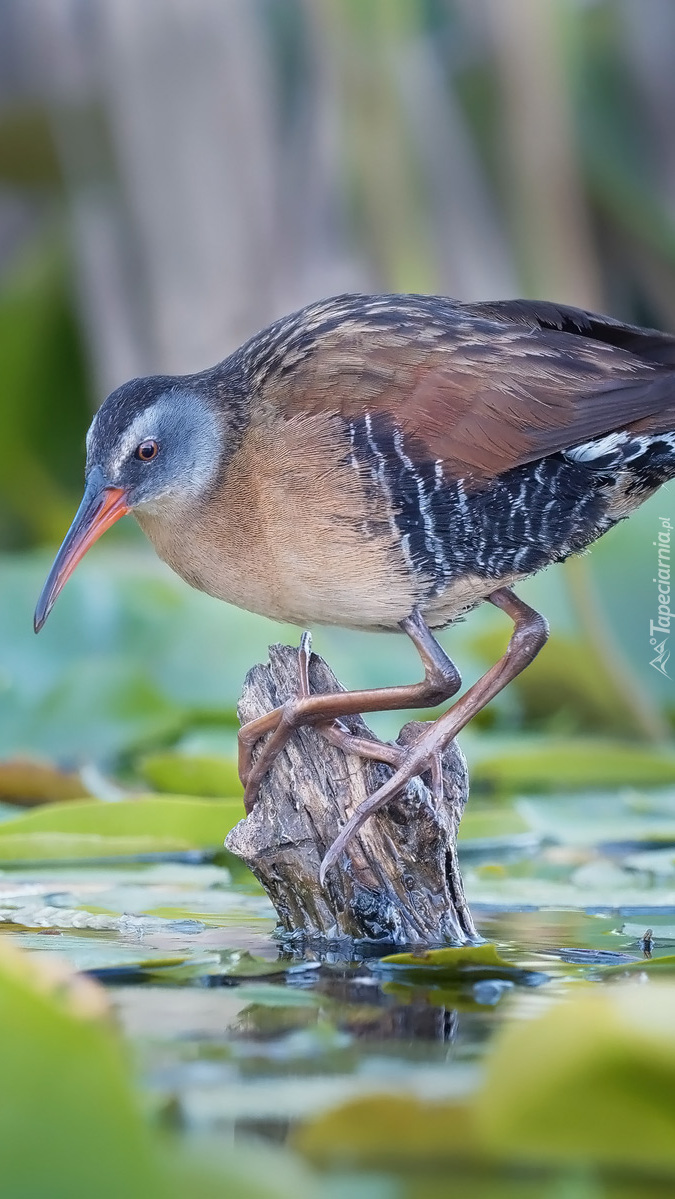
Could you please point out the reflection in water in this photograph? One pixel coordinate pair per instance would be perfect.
(261, 1053)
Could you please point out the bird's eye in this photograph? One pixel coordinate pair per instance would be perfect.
(147, 450)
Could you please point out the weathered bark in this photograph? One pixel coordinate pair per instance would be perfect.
(398, 880)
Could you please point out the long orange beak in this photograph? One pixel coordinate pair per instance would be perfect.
(101, 506)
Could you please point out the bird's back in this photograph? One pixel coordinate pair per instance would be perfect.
(402, 451)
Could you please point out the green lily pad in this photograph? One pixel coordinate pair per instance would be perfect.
(492, 824)
(590, 1083)
(386, 1130)
(596, 818)
(132, 674)
(181, 970)
(28, 783)
(191, 774)
(69, 1123)
(467, 995)
(456, 963)
(238, 963)
(592, 1080)
(579, 763)
(93, 829)
(228, 963)
(662, 965)
(62, 1067)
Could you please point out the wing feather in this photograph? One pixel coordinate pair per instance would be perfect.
(483, 387)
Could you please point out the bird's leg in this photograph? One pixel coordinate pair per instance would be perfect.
(528, 637)
(335, 731)
(250, 775)
(441, 680)
(390, 752)
(435, 661)
(365, 747)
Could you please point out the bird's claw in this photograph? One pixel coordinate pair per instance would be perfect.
(280, 724)
(412, 762)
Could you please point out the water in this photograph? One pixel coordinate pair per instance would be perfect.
(264, 1050)
(232, 1036)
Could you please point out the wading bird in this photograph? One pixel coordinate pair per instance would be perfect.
(385, 462)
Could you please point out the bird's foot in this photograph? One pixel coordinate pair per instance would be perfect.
(384, 751)
(529, 635)
(298, 710)
(372, 748)
(422, 754)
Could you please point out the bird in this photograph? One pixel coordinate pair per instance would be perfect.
(385, 462)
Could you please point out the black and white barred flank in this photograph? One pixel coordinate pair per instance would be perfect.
(519, 522)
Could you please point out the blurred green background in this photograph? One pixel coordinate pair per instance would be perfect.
(173, 177)
(174, 174)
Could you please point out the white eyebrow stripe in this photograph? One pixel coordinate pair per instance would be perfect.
(142, 427)
(90, 433)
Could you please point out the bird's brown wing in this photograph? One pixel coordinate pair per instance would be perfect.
(652, 345)
(488, 387)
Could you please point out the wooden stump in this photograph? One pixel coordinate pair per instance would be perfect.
(398, 881)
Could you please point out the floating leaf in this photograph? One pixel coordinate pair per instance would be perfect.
(591, 1082)
(63, 1075)
(228, 963)
(181, 970)
(388, 1130)
(69, 1125)
(462, 995)
(91, 711)
(236, 963)
(593, 1079)
(130, 972)
(662, 965)
(29, 783)
(191, 774)
(592, 819)
(129, 659)
(554, 763)
(493, 824)
(462, 962)
(94, 829)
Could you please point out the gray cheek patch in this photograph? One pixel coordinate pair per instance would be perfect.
(189, 438)
(195, 438)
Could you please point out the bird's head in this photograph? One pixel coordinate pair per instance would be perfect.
(154, 444)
